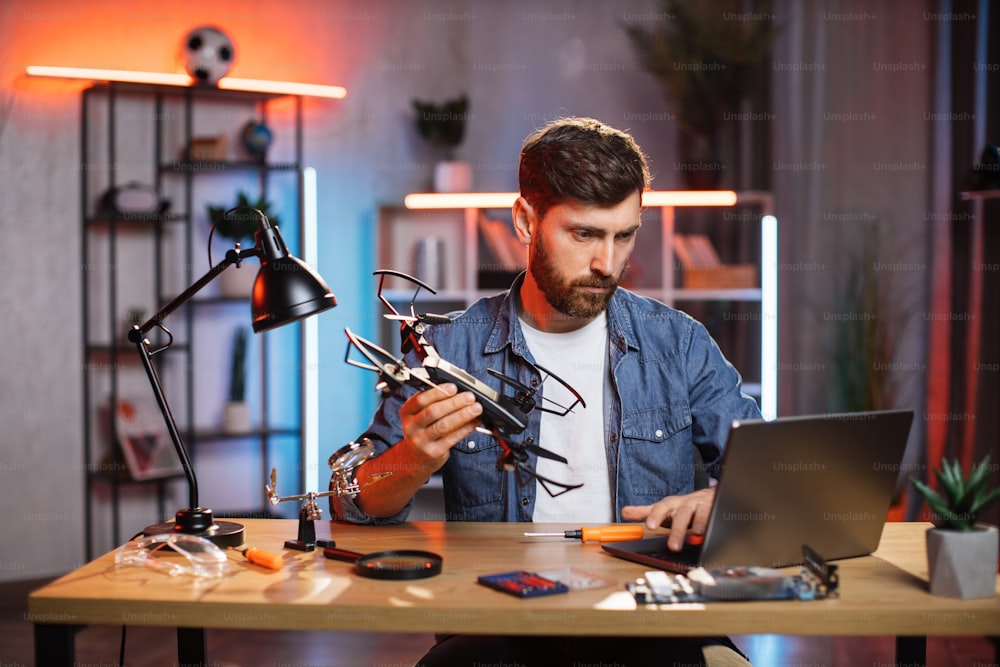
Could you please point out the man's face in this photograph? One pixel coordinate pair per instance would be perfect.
(579, 253)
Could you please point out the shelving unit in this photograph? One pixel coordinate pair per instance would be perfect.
(141, 132)
(454, 219)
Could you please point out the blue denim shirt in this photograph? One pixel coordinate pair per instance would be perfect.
(672, 390)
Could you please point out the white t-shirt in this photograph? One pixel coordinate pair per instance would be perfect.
(581, 359)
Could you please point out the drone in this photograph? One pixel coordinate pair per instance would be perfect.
(503, 416)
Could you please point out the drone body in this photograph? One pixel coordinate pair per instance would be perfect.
(503, 415)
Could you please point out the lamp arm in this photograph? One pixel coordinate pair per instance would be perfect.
(137, 335)
(233, 256)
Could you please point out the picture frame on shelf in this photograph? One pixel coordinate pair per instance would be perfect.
(142, 436)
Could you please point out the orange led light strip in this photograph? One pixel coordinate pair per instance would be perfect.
(163, 78)
(506, 199)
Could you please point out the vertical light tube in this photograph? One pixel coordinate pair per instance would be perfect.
(310, 343)
(769, 317)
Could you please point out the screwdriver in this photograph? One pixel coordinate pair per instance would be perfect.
(617, 533)
(263, 558)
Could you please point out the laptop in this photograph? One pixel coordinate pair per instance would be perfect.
(822, 481)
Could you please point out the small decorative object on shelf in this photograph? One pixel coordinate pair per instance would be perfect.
(208, 54)
(236, 414)
(443, 125)
(961, 553)
(208, 149)
(238, 282)
(256, 138)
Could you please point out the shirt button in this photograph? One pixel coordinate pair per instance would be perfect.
(659, 433)
(472, 445)
(614, 437)
(525, 501)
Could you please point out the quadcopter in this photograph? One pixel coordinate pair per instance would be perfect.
(503, 416)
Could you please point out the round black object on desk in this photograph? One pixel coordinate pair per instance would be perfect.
(397, 565)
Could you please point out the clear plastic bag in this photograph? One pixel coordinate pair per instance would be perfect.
(203, 558)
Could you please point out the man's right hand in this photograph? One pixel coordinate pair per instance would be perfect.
(436, 419)
(433, 421)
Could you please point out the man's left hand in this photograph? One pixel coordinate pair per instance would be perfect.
(678, 513)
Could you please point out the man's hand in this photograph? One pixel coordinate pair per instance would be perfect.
(679, 513)
(435, 419)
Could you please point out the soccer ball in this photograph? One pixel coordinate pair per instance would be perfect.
(208, 54)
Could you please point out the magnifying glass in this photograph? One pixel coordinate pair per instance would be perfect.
(398, 565)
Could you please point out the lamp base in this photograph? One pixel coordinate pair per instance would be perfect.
(199, 521)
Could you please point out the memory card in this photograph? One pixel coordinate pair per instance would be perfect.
(523, 584)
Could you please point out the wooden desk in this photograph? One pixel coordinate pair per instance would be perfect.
(882, 594)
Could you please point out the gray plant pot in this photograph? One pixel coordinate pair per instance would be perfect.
(963, 564)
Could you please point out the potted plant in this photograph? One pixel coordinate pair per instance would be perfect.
(961, 553)
(236, 413)
(443, 126)
(707, 57)
(237, 282)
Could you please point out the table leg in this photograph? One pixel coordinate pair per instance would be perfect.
(54, 644)
(191, 647)
(911, 651)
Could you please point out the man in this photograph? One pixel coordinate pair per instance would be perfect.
(659, 395)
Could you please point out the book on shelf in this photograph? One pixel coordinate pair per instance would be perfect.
(507, 251)
(703, 269)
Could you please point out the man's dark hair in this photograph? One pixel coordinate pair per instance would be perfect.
(583, 160)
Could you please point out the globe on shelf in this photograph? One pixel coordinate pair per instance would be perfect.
(256, 138)
(208, 54)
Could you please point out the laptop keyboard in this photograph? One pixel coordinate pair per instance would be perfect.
(656, 554)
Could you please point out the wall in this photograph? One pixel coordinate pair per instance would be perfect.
(521, 62)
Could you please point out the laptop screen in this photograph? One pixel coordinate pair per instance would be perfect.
(826, 481)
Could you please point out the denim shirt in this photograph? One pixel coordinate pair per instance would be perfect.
(671, 391)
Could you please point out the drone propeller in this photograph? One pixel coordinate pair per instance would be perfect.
(392, 371)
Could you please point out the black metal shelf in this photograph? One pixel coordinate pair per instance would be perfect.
(171, 242)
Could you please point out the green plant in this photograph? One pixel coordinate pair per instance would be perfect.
(707, 57)
(863, 327)
(240, 226)
(237, 370)
(443, 124)
(963, 497)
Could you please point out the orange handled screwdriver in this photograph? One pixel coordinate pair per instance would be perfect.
(620, 532)
(263, 558)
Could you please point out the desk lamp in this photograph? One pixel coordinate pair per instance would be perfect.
(284, 291)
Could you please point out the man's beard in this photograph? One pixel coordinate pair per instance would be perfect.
(563, 295)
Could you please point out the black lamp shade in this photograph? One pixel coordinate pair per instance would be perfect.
(287, 290)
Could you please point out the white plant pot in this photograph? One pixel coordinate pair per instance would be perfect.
(963, 564)
(237, 283)
(453, 176)
(236, 418)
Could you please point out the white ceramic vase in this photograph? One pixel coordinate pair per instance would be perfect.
(963, 564)
(453, 176)
(236, 418)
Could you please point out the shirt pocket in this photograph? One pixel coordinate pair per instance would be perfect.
(656, 455)
(472, 478)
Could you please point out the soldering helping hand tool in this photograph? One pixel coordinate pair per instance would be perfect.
(619, 532)
(263, 558)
